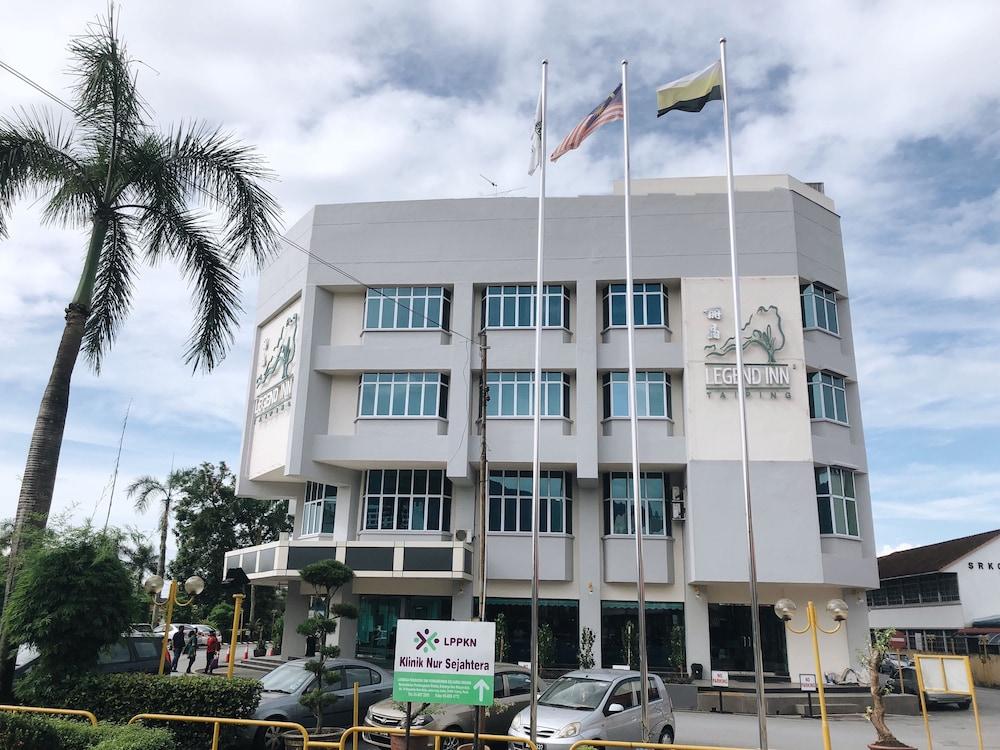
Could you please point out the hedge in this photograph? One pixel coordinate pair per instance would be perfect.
(31, 732)
(119, 697)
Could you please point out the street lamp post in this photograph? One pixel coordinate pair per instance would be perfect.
(785, 609)
(153, 585)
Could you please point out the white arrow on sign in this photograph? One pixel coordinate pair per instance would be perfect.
(480, 686)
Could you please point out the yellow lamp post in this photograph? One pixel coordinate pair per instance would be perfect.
(236, 629)
(785, 609)
(153, 585)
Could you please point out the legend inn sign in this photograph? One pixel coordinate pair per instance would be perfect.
(276, 361)
(763, 331)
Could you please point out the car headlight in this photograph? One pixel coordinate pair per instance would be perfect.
(421, 721)
(517, 725)
(570, 730)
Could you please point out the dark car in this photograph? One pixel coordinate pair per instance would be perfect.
(282, 688)
(133, 653)
(932, 699)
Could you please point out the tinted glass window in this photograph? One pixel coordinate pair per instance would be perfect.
(116, 654)
(518, 684)
(360, 675)
(145, 649)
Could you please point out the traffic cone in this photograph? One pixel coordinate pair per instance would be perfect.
(246, 654)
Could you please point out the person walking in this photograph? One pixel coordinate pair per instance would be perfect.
(191, 649)
(212, 649)
(177, 642)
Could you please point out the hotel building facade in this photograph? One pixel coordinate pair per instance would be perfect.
(363, 408)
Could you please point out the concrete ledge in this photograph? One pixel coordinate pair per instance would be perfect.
(789, 704)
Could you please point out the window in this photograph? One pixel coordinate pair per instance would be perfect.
(407, 500)
(116, 653)
(928, 588)
(514, 306)
(649, 305)
(652, 394)
(624, 693)
(838, 508)
(819, 308)
(618, 504)
(512, 394)
(827, 397)
(403, 307)
(518, 683)
(510, 502)
(361, 675)
(320, 508)
(404, 394)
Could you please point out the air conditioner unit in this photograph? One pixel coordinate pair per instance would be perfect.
(677, 505)
(461, 535)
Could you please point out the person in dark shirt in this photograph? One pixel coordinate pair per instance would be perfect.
(191, 648)
(177, 642)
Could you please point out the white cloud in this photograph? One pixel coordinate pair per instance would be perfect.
(888, 549)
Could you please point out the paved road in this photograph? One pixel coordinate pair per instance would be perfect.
(949, 729)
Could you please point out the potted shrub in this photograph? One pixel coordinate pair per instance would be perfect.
(872, 659)
(585, 656)
(327, 577)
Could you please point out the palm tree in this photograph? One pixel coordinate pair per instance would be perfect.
(137, 554)
(147, 489)
(192, 195)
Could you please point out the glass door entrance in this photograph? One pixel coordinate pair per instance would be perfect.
(731, 640)
(377, 617)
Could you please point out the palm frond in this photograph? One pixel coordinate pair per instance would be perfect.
(141, 491)
(112, 291)
(38, 157)
(214, 281)
(214, 166)
(108, 103)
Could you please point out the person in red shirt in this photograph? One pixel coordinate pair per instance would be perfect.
(212, 649)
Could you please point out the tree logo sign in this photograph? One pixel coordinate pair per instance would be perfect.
(446, 662)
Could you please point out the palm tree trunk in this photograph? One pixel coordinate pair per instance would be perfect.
(43, 458)
(161, 566)
(39, 478)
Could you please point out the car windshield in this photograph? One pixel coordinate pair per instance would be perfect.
(581, 693)
(285, 679)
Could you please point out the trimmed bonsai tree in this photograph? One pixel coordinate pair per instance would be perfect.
(328, 577)
(872, 658)
(585, 656)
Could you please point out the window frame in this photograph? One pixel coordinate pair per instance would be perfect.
(609, 481)
(404, 383)
(523, 296)
(827, 502)
(391, 297)
(316, 501)
(644, 290)
(643, 385)
(814, 295)
(517, 503)
(510, 382)
(824, 387)
(395, 500)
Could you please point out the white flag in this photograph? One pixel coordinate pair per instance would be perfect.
(536, 139)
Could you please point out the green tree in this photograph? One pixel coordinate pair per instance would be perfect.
(221, 618)
(585, 656)
(146, 490)
(137, 192)
(327, 577)
(546, 646)
(211, 520)
(73, 597)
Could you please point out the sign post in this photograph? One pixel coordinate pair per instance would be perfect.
(440, 661)
(720, 679)
(951, 675)
(807, 684)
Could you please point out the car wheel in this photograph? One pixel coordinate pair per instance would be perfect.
(963, 706)
(667, 736)
(269, 738)
(451, 743)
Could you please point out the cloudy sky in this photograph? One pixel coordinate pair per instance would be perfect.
(894, 105)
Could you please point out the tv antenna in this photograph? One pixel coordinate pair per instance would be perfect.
(497, 192)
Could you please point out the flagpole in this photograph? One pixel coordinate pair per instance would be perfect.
(536, 421)
(640, 580)
(742, 408)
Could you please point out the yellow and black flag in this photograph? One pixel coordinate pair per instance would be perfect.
(690, 93)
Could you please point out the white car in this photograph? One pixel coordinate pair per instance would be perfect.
(596, 704)
(203, 631)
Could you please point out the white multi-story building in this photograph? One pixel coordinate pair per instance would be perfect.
(363, 406)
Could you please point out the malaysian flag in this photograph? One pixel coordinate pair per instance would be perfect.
(611, 109)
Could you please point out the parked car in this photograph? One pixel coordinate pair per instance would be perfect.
(133, 653)
(511, 692)
(283, 686)
(142, 628)
(891, 663)
(933, 699)
(596, 704)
